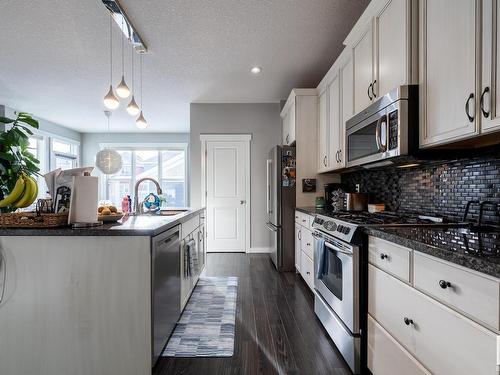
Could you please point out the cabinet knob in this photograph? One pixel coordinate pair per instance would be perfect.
(444, 284)
(308, 244)
(383, 256)
(408, 321)
(308, 272)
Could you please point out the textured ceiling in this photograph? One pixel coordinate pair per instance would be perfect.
(54, 60)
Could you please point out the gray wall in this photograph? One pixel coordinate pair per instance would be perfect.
(48, 126)
(264, 123)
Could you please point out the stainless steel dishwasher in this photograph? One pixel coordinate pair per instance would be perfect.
(166, 287)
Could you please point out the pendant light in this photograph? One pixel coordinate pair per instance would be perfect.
(141, 122)
(132, 108)
(122, 89)
(110, 100)
(108, 161)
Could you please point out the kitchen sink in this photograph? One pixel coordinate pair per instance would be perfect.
(171, 212)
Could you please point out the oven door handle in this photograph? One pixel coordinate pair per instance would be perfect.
(382, 147)
(330, 246)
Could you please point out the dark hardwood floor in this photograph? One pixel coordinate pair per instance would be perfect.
(277, 331)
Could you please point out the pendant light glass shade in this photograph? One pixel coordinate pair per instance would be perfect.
(132, 108)
(122, 89)
(110, 100)
(141, 122)
(108, 161)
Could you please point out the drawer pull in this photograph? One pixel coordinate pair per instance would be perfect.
(383, 256)
(408, 321)
(444, 284)
(308, 244)
(308, 272)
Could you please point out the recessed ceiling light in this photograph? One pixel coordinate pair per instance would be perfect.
(256, 70)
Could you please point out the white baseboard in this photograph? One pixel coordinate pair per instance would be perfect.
(258, 250)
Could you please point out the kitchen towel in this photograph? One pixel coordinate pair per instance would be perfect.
(320, 254)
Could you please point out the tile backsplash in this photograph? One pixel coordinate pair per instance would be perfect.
(441, 189)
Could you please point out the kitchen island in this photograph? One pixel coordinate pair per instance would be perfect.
(99, 300)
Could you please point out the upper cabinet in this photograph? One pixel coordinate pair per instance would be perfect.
(382, 46)
(448, 97)
(363, 69)
(458, 71)
(323, 131)
(489, 101)
(288, 122)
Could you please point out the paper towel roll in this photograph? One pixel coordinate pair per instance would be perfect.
(83, 206)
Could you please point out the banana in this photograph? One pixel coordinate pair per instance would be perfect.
(15, 194)
(30, 193)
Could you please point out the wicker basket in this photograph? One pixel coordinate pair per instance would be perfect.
(33, 220)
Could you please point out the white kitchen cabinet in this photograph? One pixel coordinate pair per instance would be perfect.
(392, 47)
(323, 131)
(334, 129)
(390, 257)
(297, 247)
(386, 356)
(304, 247)
(442, 340)
(466, 291)
(490, 68)
(447, 77)
(301, 109)
(384, 47)
(363, 69)
(347, 102)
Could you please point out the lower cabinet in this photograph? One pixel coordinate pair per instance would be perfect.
(307, 270)
(441, 339)
(386, 356)
(304, 247)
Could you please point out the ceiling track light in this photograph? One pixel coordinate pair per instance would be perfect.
(123, 22)
(110, 100)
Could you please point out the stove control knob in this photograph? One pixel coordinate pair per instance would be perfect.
(330, 225)
(347, 230)
(340, 229)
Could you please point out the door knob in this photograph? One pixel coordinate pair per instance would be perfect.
(243, 202)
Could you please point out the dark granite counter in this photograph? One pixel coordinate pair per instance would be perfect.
(479, 252)
(141, 225)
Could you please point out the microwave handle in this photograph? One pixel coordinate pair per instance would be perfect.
(382, 147)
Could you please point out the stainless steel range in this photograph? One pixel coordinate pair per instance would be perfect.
(337, 285)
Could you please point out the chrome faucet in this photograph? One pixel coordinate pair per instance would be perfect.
(139, 207)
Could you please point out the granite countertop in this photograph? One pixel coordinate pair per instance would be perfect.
(141, 225)
(479, 252)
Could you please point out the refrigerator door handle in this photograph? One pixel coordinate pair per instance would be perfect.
(271, 227)
(268, 189)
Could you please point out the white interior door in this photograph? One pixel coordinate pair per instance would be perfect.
(227, 166)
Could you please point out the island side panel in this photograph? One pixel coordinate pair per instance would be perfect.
(76, 305)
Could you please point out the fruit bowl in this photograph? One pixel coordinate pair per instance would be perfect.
(113, 218)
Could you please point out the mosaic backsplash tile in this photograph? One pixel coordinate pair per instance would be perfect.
(441, 189)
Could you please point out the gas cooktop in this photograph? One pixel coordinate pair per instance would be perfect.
(346, 225)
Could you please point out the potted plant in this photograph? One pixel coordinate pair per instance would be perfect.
(18, 166)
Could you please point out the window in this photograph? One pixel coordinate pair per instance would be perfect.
(64, 154)
(37, 148)
(165, 164)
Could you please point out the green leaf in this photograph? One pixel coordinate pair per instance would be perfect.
(6, 120)
(30, 121)
(27, 130)
(6, 156)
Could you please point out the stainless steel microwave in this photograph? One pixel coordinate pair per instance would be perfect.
(386, 132)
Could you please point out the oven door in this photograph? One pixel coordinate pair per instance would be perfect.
(337, 281)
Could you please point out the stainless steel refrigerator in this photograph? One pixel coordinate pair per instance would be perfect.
(281, 182)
